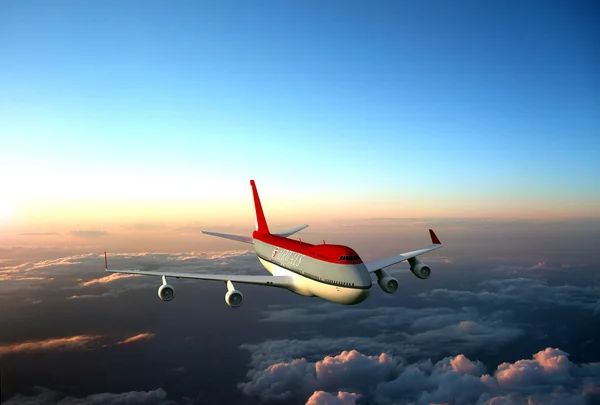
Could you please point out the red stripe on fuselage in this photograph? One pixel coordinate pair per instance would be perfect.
(326, 253)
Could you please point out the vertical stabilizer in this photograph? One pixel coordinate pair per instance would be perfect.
(261, 223)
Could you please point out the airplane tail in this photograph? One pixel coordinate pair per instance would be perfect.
(260, 221)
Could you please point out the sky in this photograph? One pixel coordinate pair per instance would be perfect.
(117, 112)
(128, 127)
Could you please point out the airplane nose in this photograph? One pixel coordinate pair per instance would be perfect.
(361, 295)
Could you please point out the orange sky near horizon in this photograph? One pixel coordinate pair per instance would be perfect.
(59, 215)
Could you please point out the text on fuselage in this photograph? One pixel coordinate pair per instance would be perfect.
(287, 257)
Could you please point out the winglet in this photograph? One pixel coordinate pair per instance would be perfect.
(261, 223)
(105, 261)
(434, 239)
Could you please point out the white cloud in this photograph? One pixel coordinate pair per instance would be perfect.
(383, 379)
(326, 398)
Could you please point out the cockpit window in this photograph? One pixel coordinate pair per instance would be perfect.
(348, 258)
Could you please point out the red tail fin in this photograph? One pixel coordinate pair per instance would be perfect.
(434, 239)
(261, 223)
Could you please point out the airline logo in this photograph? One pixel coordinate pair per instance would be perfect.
(287, 257)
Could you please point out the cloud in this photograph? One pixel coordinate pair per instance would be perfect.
(385, 380)
(412, 332)
(67, 343)
(48, 264)
(325, 398)
(88, 233)
(284, 381)
(7, 277)
(550, 366)
(141, 336)
(49, 397)
(86, 271)
(73, 342)
(537, 266)
(524, 291)
(107, 279)
(274, 351)
(108, 294)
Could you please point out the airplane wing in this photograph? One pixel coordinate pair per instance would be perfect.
(389, 261)
(273, 281)
(239, 238)
(291, 231)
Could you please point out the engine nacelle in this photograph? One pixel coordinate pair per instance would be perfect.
(234, 298)
(388, 284)
(166, 292)
(420, 270)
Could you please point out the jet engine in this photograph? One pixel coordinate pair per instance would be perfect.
(419, 269)
(233, 298)
(387, 283)
(166, 292)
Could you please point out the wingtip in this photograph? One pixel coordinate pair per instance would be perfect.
(252, 183)
(434, 239)
(105, 261)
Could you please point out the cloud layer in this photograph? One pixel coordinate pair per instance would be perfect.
(48, 344)
(68, 343)
(523, 291)
(85, 277)
(405, 331)
(49, 397)
(309, 351)
(352, 377)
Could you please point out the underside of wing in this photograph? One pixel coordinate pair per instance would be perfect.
(239, 238)
(379, 264)
(274, 281)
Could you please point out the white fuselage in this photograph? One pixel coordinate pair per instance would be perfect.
(331, 290)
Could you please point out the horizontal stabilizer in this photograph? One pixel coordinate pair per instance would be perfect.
(239, 238)
(291, 231)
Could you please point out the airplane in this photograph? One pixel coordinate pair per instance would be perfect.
(333, 272)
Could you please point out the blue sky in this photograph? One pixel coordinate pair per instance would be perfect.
(470, 99)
